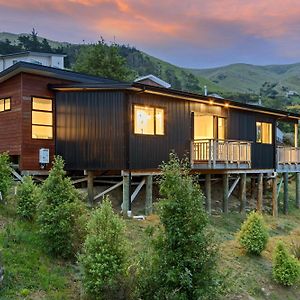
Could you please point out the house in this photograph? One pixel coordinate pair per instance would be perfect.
(101, 126)
(53, 60)
(153, 80)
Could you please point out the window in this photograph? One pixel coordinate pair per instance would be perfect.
(149, 120)
(221, 128)
(4, 104)
(264, 133)
(209, 127)
(42, 118)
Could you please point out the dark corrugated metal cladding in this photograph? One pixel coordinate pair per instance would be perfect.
(90, 130)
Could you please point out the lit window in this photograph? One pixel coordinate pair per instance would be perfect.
(42, 118)
(264, 132)
(221, 128)
(148, 120)
(4, 104)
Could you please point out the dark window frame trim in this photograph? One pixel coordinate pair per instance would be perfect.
(5, 98)
(47, 111)
(261, 132)
(149, 106)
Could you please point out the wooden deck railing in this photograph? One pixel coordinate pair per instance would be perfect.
(288, 155)
(225, 152)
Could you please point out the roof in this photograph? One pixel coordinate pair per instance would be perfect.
(154, 79)
(27, 53)
(52, 72)
(143, 88)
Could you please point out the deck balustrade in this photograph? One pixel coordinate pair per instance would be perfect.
(218, 154)
(288, 159)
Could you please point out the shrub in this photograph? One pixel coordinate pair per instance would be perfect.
(60, 213)
(104, 257)
(286, 269)
(5, 175)
(253, 235)
(183, 264)
(27, 198)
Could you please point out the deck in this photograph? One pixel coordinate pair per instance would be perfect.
(220, 154)
(288, 159)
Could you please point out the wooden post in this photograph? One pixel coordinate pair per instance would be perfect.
(125, 204)
(286, 193)
(253, 188)
(274, 197)
(298, 190)
(90, 187)
(259, 205)
(208, 193)
(243, 190)
(225, 192)
(148, 204)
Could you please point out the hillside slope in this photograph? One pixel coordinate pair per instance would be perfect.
(246, 78)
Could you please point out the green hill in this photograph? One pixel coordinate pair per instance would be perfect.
(245, 78)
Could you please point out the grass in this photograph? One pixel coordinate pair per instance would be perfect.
(29, 272)
(32, 274)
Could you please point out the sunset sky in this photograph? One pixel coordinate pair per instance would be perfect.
(191, 33)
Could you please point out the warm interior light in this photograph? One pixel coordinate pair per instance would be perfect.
(211, 102)
(226, 105)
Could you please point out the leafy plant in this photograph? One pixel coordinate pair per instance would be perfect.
(286, 269)
(183, 264)
(61, 213)
(253, 235)
(5, 174)
(104, 256)
(27, 198)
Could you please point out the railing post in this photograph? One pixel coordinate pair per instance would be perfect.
(215, 143)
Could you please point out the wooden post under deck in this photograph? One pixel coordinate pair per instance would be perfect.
(298, 190)
(90, 187)
(225, 192)
(259, 205)
(208, 193)
(243, 190)
(274, 197)
(253, 188)
(286, 193)
(125, 204)
(148, 203)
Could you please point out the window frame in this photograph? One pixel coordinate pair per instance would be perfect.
(154, 119)
(262, 134)
(45, 111)
(4, 99)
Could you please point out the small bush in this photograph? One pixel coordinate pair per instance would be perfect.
(5, 175)
(253, 235)
(60, 213)
(27, 198)
(104, 255)
(286, 269)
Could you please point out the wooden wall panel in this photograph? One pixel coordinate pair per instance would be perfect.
(10, 121)
(34, 85)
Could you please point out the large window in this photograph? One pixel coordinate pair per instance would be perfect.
(149, 120)
(42, 118)
(264, 133)
(209, 127)
(4, 104)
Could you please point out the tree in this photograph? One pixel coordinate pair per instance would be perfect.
(5, 174)
(105, 255)
(286, 269)
(102, 60)
(253, 235)
(60, 213)
(185, 255)
(28, 195)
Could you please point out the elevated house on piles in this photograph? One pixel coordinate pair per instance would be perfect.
(104, 127)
